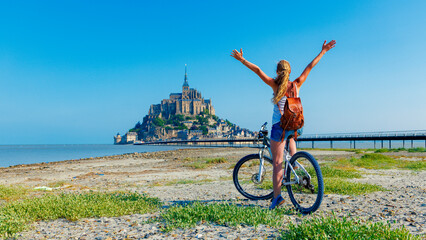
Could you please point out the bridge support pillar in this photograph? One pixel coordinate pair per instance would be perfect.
(313, 145)
(354, 144)
(382, 144)
(403, 143)
(412, 144)
(331, 144)
(390, 144)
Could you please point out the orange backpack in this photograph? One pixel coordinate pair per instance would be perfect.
(292, 118)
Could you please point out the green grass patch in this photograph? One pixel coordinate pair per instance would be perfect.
(325, 228)
(178, 182)
(216, 160)
(186, 181)
(14, 217)
(197, 165)
(10, 193)
(205, 162)
(414, 165)
(383, 150)
(379, 161)
(228, 214)
(344, 187)
(331, 172)
(419, 149)
(266, 184)
(371, 161)
(221, 213)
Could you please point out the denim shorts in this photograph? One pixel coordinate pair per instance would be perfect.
(277, 132)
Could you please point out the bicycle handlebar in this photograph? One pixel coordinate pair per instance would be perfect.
(262, 131)
(263, 126)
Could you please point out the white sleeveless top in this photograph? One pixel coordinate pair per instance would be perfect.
(276, 115)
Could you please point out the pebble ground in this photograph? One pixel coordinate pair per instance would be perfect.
(403, 205)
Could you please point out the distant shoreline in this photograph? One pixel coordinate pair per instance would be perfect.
(12, 155)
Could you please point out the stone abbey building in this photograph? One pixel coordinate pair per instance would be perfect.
(196, 120)
(189, 102)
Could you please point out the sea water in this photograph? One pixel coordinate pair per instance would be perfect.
(26, 154)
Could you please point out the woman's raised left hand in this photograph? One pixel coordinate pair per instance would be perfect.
(238, 55)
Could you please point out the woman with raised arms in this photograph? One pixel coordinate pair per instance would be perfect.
(281, 86)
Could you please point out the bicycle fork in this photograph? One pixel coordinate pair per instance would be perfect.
(259, 175)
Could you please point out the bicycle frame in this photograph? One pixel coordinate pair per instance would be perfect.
(287, 157)
(305, 190)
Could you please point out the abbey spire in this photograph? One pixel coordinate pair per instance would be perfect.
(185, 83)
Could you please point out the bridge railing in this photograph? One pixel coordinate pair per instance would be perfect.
(379, 135)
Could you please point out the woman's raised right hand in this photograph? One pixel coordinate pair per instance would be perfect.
(327, 46)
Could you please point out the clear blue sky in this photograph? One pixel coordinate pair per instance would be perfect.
(79, 71)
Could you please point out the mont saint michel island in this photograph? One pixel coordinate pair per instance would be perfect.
(183, 116)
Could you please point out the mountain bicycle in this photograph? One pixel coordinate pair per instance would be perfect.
(302, 176)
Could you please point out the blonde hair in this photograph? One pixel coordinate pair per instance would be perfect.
(283, 75)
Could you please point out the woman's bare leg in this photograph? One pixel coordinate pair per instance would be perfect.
(292, 147)
(277, 149)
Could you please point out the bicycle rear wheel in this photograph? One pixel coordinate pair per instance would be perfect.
(306, 195)
(247, 181)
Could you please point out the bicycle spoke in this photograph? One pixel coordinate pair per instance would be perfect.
(306, 195)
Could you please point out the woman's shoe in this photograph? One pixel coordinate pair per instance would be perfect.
(276, 202)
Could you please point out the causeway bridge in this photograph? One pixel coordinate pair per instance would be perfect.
(376, 137)
(379, 139)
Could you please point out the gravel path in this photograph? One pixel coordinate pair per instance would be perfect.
(156, 175)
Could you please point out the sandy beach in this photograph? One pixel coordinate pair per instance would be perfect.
(168, 176)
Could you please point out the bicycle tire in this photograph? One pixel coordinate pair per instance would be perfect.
(308, 194)
(245, 177)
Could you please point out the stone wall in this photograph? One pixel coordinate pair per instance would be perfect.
(186, 106)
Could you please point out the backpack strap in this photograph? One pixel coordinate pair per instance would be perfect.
(293, 90)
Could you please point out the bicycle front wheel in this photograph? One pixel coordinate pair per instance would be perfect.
(251, 179)
(306, 195)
